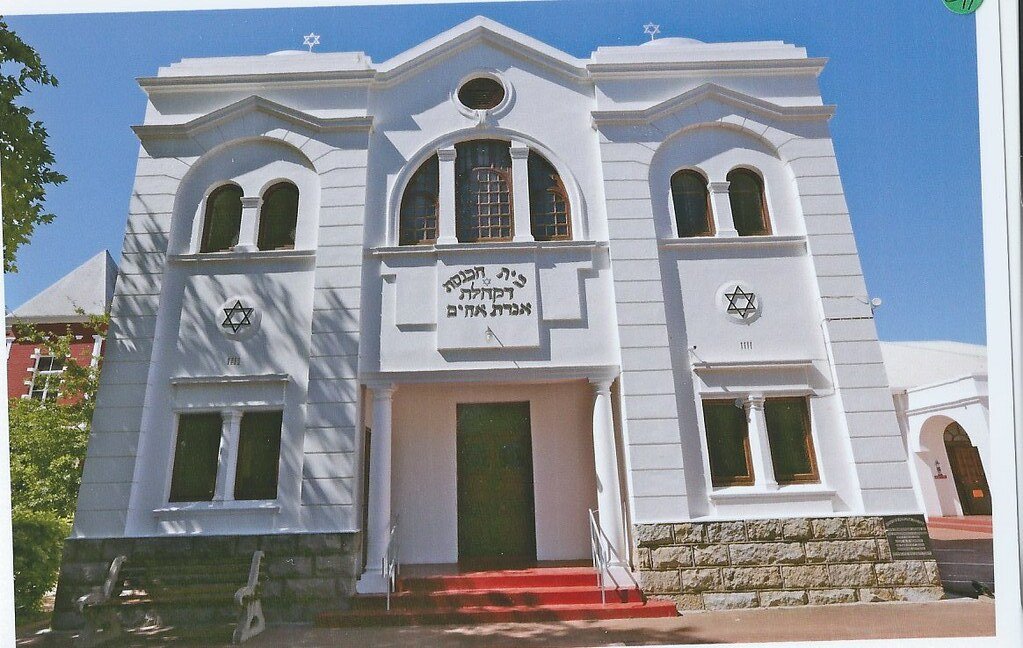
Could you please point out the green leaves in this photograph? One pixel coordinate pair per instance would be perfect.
(49, 439)
(38, 538)
(26, 163)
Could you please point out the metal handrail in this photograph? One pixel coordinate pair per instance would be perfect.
(604, 555)
(389, 563)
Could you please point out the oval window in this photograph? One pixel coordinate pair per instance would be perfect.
(481, 93)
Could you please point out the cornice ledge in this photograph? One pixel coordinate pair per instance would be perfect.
(237, 379)
(205, 81)
(736, 365)
(258, 255)
(253, 103)
(704, 242)
(495, 375)
(974, 399)
(477, 248)
(710, 91)
(756, 67)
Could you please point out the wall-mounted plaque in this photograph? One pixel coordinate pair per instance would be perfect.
(487, 306)
(908, 538)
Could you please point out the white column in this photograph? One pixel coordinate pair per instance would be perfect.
(378, 521)
(446, 199)
(250, 220)
(520, 193)
(97, 350)
(721, 208)
(759, 445)
(605, 458)
(227, 464)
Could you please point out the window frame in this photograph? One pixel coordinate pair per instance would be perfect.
(237, 445)
(227, 456)
(409, 193)
(49, 375)
(812, 477)
(207, 219)
(558, 188)
(464, 184)
(711, 229)
(722, 482)
(174, 457)
(765, 216)
(277, 185)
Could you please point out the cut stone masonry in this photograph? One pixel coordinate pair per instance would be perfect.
(778, 562)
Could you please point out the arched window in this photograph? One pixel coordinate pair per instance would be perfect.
(692, 204)
(749, 209)
(483, 191)
(222, 220)
(955, 433)
(418, 216)
(278, 217)
(550, 217)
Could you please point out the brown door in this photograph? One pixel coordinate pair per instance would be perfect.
(496, 518)
(967, 471)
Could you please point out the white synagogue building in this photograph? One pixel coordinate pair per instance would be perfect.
(472, 292)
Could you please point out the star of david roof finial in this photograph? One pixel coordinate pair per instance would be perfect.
(311, 39)
(651, 30)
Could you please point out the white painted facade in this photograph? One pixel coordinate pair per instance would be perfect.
(936, 384)
(626, 329)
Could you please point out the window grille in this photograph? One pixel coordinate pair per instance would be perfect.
(419, 206)
(46, 378)
(483, 187)
(549, 212)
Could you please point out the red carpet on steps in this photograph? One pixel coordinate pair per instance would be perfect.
(538, 594)
(968, 523)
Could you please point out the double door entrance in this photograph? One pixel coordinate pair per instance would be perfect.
(496, 512)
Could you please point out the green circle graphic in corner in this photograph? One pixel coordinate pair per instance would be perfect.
(962, 6)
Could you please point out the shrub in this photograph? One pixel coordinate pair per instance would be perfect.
(38, 537)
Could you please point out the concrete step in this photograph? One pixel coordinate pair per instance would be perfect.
(515, 597)
(497, 614)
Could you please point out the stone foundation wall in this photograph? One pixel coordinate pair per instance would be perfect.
(303, 573)
(779, 562)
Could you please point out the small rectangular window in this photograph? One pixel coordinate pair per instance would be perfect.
(196, 455)
(46, 377)
(259, 452)
(788, 432)
(727, 443)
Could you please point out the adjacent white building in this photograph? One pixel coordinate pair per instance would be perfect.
(940, 391)
(485, 286)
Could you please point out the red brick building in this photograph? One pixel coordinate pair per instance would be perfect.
(31, 371)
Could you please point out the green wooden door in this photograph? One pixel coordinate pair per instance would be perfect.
(496, 519)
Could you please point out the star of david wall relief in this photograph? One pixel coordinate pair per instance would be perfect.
(740, 302)
(238, 318)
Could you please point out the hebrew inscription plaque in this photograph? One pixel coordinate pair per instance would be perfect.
(487, 306)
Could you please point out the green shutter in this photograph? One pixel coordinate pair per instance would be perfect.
(727, 443)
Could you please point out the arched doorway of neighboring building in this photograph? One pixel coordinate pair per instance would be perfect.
(967, 471)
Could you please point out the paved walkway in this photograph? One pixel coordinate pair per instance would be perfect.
(951, 618)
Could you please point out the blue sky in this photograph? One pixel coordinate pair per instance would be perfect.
(902, 74)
